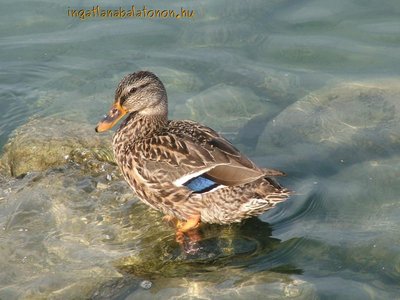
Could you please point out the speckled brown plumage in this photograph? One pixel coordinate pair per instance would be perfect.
(158, 157)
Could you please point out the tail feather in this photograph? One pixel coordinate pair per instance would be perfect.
(272, 172)
(274, 183)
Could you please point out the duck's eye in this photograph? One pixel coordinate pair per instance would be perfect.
(132, 90)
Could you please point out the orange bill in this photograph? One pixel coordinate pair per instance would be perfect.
(114, 115)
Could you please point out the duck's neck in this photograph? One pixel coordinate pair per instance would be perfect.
(138, 126)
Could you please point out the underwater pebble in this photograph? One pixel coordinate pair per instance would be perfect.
(293, 290)
(101, 186)
(146, 284)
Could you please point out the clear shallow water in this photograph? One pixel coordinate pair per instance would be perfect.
(309, 87)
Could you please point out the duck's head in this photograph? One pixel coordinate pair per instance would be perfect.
(141, 92)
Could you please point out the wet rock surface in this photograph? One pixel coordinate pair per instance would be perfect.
(44, 143)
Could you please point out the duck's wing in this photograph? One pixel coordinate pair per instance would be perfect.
(189, 151)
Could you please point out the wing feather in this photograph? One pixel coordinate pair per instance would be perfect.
(188, 149)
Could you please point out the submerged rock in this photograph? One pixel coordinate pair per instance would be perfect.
(237, 285)
(44, 143)
(68, 234)
(281, 88)
(226, 108)
(347, 122)
(177, 80)
(63, 232)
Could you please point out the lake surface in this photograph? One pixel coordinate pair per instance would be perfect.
(311, 88)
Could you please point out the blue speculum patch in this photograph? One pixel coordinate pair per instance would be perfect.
(200, 184)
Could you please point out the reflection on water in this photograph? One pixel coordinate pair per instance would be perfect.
(307, 87)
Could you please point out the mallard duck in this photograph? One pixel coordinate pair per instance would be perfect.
(182, 168)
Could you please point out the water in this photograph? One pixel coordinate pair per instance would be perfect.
(308, 87)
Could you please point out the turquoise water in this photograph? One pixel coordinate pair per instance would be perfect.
(308, 87)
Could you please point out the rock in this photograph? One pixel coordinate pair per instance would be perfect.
(208, 35)
(62, 236)
(226, 108)
(365, 187)
(248, 286)
(44, 143)
(346, 122)
(281, 88)
(177, 80)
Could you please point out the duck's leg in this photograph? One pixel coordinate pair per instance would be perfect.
(191, 223)
(183, 227)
